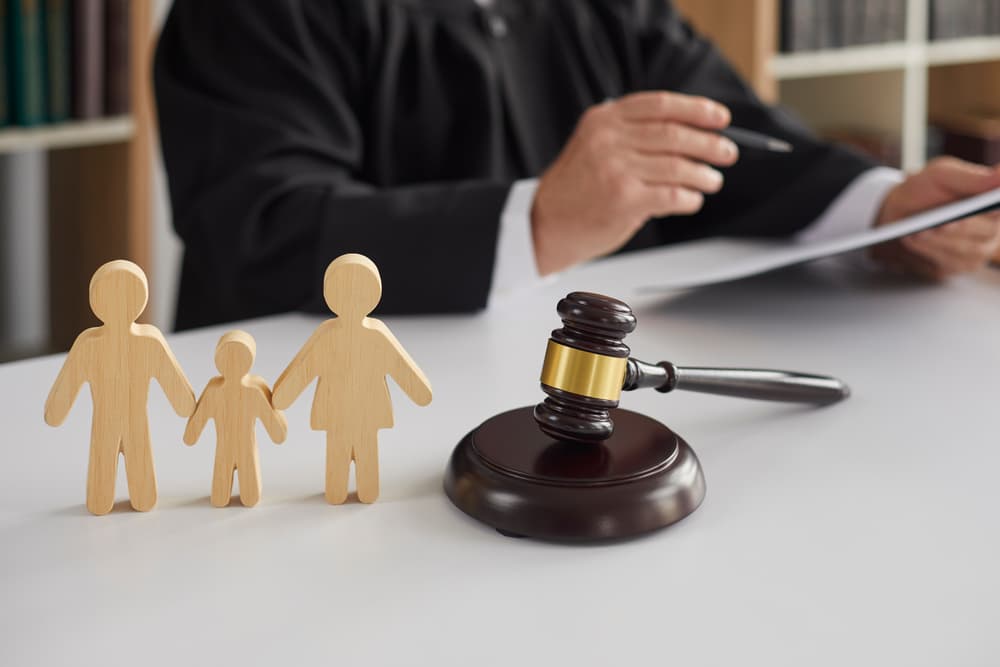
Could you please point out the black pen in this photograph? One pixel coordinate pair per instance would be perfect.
(751, 139)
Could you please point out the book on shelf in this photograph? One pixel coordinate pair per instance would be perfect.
(798, 22)
(811, 25)
(57, 67)
(4, 99)
(88, 58)
(954, 19)
(116, 60)
(63, 59)
(824, 33)
(26, 64)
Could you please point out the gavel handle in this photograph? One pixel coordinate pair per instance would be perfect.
(766, 385)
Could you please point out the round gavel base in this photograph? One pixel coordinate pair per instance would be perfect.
(511, 476)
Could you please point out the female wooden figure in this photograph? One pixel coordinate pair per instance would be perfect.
(351, 355)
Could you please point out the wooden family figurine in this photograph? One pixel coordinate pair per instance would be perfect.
(236, 400)
(118, 359)
(351, 355)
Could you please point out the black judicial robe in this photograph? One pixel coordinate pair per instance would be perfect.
(297, 130)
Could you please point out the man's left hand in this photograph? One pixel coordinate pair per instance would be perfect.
(958, 247)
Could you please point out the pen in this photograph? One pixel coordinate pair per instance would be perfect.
(751, 139)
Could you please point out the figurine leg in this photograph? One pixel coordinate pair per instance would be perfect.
(222, 480)
(101, 472)
(250, 485)
(338, 468)
(139, 469)
(366, 468)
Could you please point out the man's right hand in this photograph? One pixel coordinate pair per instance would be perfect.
(645, 155)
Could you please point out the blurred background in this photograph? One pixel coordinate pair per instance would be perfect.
(81, 180)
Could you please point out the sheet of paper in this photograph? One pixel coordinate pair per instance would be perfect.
(719, 260)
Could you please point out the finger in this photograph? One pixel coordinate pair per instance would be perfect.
(661, 105)
(663, 200)
(968, 241)
(985, 227)
(960, 178)
(980, 234)
(673, 170)
(671, 137)
(948, 260)
(957, 257)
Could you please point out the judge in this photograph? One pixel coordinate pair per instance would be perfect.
(469, 147)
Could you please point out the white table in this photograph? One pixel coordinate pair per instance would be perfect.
(862, 534)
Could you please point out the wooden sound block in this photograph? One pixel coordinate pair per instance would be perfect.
(509, 475)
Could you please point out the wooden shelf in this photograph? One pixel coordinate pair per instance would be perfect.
(892, 88)
(884, 57)
(848, 60)
(962, 51)
(70, 134)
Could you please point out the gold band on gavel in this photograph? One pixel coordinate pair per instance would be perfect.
(583, 373)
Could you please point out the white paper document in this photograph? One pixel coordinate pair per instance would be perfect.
(719, 260)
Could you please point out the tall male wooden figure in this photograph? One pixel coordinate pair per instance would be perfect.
(118, 359)
(236, 400)
(351, 355)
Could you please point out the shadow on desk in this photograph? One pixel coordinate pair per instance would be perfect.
(411, 490)
(779, 292)
(120, 507)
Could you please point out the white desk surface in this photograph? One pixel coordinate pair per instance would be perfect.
(862, 534)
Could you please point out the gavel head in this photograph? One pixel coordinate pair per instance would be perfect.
(584, 367)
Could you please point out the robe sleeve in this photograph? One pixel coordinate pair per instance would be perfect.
(765, 194)
(260, 119)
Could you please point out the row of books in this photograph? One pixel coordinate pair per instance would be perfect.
(63, 59)
(963, 18)
(811, 25)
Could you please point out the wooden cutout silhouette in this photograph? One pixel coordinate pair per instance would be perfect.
(236, 400)
(118, 359)
(351, 355)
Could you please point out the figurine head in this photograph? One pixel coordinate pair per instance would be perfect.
(352, 286)
(235, 353)
(118, 292)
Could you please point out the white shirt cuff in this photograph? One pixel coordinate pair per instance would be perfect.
(514, 267)
(854, 209)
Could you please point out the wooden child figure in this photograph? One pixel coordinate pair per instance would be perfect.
(236, 400)
(118, 359)
(351, 355)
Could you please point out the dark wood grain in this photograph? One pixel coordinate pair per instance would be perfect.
(592, 323)
(510, 475)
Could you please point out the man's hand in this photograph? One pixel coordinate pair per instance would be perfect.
(957, 247)
(629, 160)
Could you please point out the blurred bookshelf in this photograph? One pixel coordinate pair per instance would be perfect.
(924, 61)
(904, 80)
(74, 90)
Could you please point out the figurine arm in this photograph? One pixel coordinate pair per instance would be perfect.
(196, 424)
(274, 420)
(169, 375)
(64, 391)
(297, 376)
(404, 370)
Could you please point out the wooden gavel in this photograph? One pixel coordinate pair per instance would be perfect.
(587, 366)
